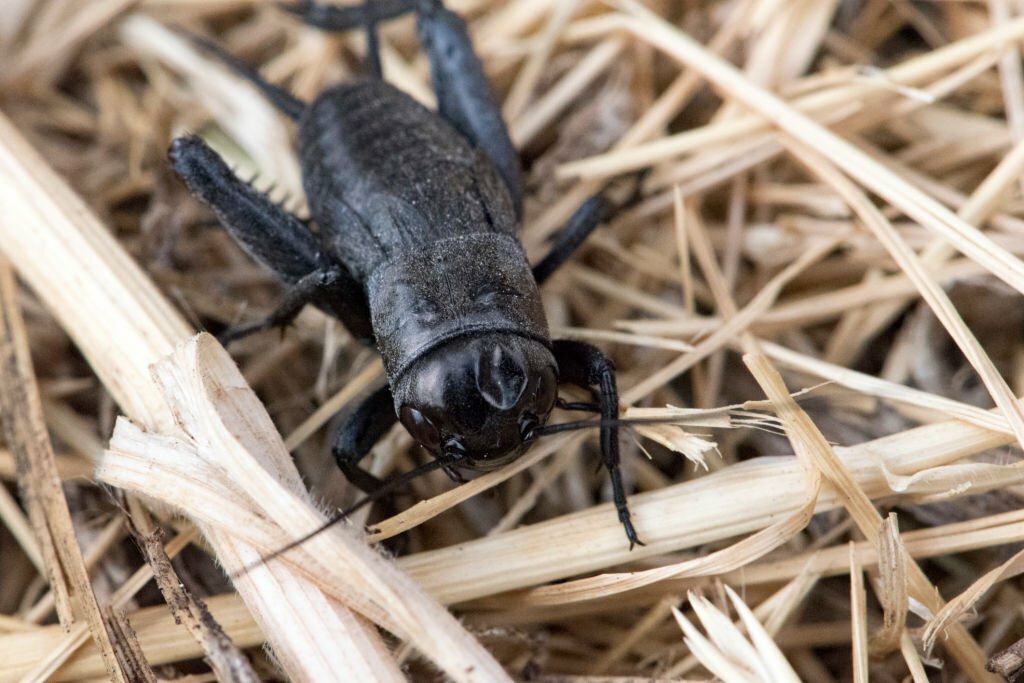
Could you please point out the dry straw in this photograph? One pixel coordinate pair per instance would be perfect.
(821, 259)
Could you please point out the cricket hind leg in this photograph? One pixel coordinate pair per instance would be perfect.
(464, 97)
(586, 366)
(274, 237)
(346, 18)
(266, 230)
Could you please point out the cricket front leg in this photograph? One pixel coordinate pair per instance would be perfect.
(585, 366)
(364, 428)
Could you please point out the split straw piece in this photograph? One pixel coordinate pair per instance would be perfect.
(774, 612)
(727, 652)
(233, 452)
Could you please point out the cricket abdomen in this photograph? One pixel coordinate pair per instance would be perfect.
(385, 176)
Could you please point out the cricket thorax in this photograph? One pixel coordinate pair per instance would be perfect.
(452, 288)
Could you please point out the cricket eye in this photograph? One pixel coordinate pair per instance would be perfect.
(420, 427)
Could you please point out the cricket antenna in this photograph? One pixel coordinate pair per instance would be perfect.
(378, 493)
(548, 430)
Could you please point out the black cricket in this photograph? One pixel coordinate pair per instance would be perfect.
(415, 247)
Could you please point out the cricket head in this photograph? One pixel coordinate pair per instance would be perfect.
(477, 401)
